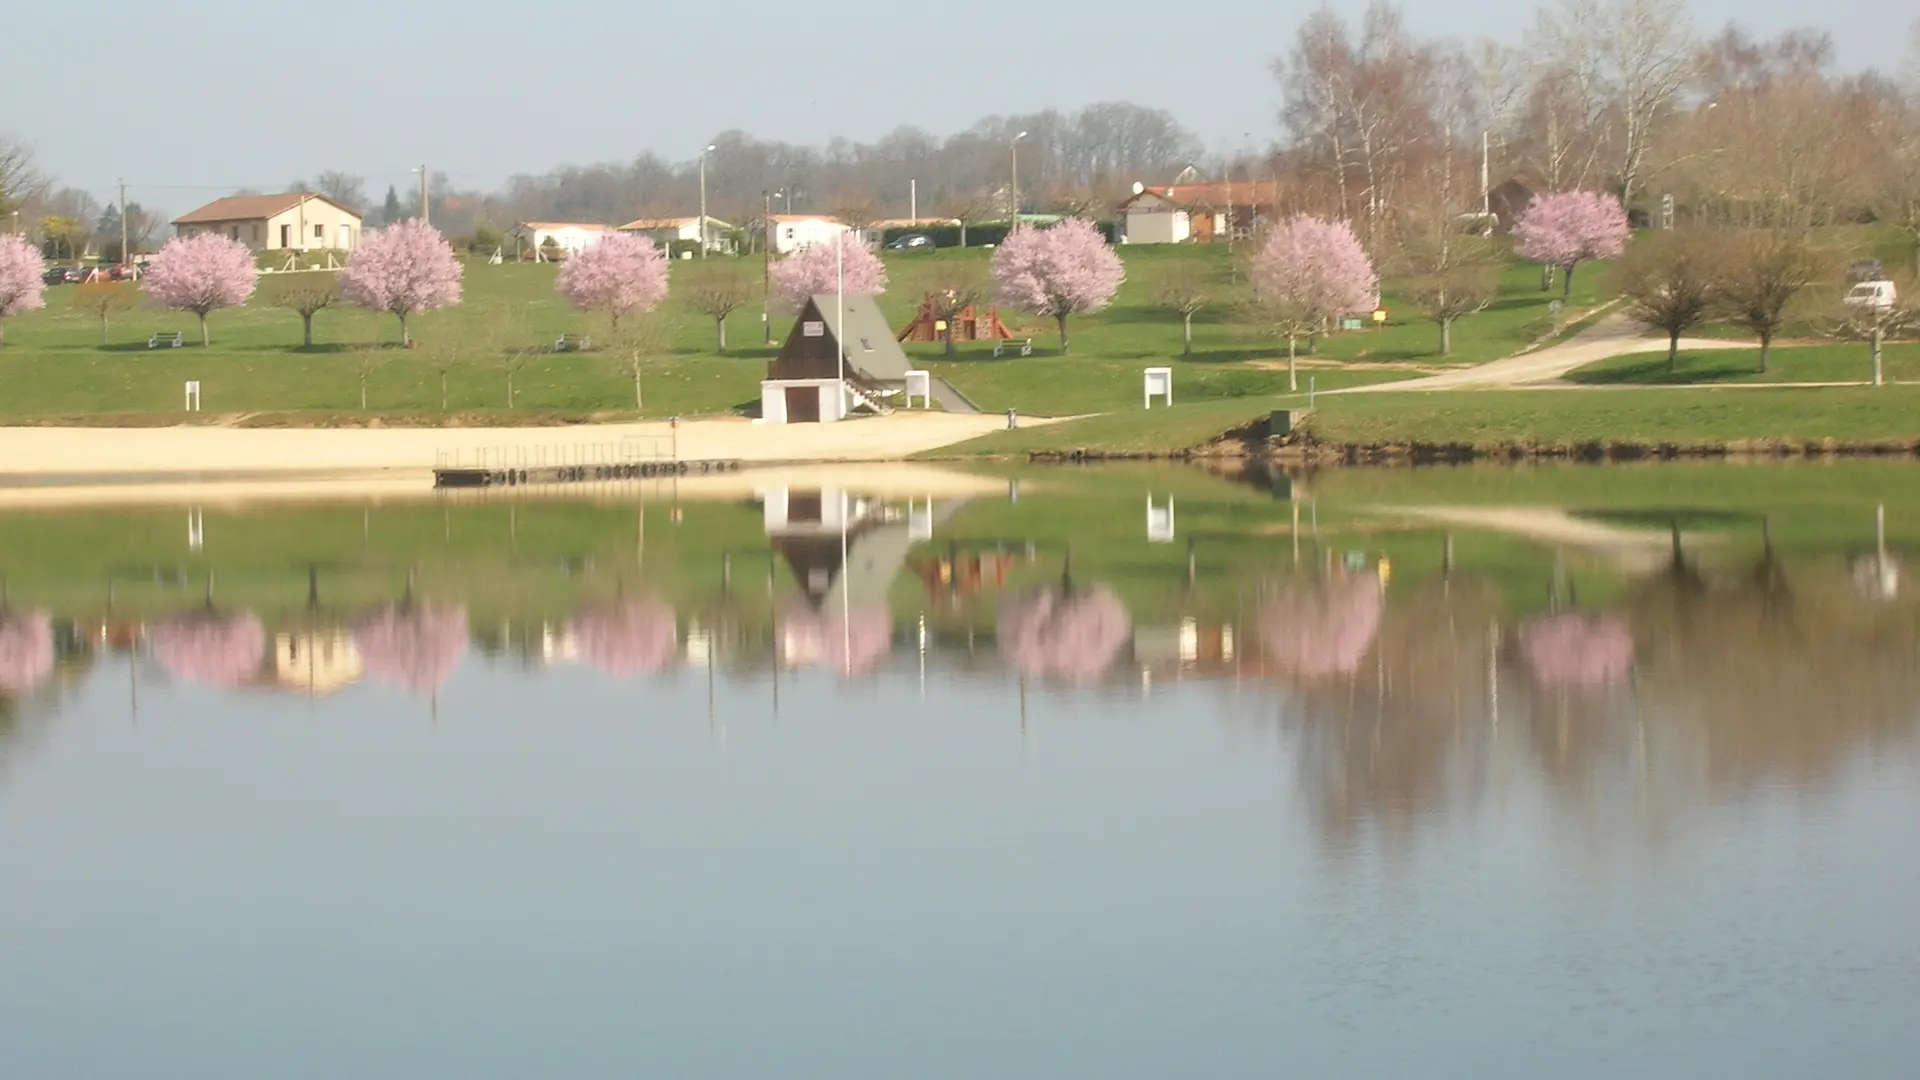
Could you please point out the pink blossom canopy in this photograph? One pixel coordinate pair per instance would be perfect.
(1068, 269)
(1317, 268)
(1577, 649)
(812, 271)
(26, 651)
(1314, 631)
(413, 646)
(21, 268)
(213, 650)
(1049, 631)
(626, 638)
(621, 274)
(852, 645)
(1570, 227)
(405, 268)
(201, 273)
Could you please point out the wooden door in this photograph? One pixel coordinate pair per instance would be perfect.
(803, 404)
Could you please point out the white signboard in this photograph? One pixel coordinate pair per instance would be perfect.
(1159, 382)
(813, 329)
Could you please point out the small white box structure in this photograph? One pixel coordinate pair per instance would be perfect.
(1159, 381)
(193, 396)
(1159, 522)
(196, 530)
(920, 385)
(920, 519)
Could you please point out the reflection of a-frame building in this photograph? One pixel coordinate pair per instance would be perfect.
(845, 549)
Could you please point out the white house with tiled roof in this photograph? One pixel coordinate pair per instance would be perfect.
(665, 231)
(571, 237)
(296, 221)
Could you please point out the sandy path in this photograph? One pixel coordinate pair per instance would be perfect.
(1614, 335)
(234, 453)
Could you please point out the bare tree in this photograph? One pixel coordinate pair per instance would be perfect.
(1762, 273)
(442, 357)
(1670, 283)
(716, 291)
(104, 299)
(344, 188)
(1874, 323)
(367, 359)
(306, 294)
(636, 345)
(857, 210)
(20, 181)
(966, 209)
(954, 289)
(1185, 288)
(1454, 279)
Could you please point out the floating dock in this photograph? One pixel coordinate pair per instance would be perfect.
(455, 477)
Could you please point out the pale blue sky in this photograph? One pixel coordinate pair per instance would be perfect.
(233, 93)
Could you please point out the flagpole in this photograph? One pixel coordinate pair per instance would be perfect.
(840, 328)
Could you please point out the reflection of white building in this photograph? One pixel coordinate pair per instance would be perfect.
(558, 645)
(315, 661)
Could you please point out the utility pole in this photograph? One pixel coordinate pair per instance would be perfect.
(703, 200)
(1486, 192)
(126, 257)
(425, 219)
(913, 200)
(1014, 218)
(766, 267)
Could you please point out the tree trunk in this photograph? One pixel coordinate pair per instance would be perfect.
(363, 391)
(3, 332)
(1063, 333)
(405, 341)
(637, 403)
(720, 330)
(1293, 380)
(1878, 336)
(203, 330)
(1673, 350)
(306, 330)
(1186, 334)
(443, 391)
(1567, 282)
(509, 389)
(963, 235)
(1546, 276)
(103, 329)
(949, 339)
(1313, 343)
(1766, 350)
(1446, 337)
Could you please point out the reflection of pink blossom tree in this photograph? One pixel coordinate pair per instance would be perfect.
(209, 648)
(26, 651)
(412, 646)
(628, 637)
(852, 645)
(1577, 649)
(1314, 631)
(1058, 630)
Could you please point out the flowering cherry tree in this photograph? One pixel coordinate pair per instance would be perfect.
(210, 649)
(26, 651)
(625, 638)
(405, 268)
(618, 276)
(1065, 270)
(1309, 272)
(1564, 229)
(412, 646)
(20, 279)
(851, 645)
(815, 271)
(1313, 631)
(1057, 630)
(1577, 649)
(201, 274)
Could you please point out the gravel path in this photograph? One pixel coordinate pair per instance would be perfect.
(1613, 335)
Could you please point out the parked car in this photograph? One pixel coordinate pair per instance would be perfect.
(1878, 295)
(913, 242)
(63, 275)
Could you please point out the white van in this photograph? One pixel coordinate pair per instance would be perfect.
(1878, 295)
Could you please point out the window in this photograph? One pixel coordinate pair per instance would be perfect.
(789, 232)
(233, 232)
(319, 232)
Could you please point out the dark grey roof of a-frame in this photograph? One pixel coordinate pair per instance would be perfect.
(869, 342)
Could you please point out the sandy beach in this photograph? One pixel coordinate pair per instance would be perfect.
(406, 456)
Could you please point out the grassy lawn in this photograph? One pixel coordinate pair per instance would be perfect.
(1840, 362)
(1489, 419)
(55, 367)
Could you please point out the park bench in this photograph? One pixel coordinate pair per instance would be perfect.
(170, 338)
(573, 343)
(1000, 347)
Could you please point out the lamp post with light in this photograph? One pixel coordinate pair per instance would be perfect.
(703, 199)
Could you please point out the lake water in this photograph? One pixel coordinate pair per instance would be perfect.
(1138, 772)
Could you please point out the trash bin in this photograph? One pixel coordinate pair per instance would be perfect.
(1013, 419)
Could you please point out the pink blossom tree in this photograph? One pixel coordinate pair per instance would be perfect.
(1308, 273)
(1564, 229)
(26, 651)
(1577, 649)
(210, 649)
(21, 287)
(815, 271)
(1057, 630)
(627, 637)
(412, 646)
(405, 268)
(618, 276)
(851, 645)
(1068, 269)
(201, 274)
(1317, 630)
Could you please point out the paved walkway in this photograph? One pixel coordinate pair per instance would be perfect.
(1613, 335)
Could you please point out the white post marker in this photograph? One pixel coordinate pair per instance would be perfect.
(920, 384)
(1159, 381)
(193, 396)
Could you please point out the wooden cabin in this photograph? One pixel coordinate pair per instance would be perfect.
(804, 383)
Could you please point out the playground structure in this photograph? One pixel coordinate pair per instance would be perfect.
(967, 324)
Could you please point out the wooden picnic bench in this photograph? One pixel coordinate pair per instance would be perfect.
(170, 338)
(1000, 347)
(573, 343)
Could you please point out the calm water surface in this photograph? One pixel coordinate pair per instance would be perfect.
(1577, 773)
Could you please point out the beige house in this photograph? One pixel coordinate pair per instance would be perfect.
(296, 221)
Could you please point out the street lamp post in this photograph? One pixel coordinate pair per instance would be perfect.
(1014, 148)
(766, 265)
(703, 199)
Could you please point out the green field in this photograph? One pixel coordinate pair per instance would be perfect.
(1841, 362)
(54, 366)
